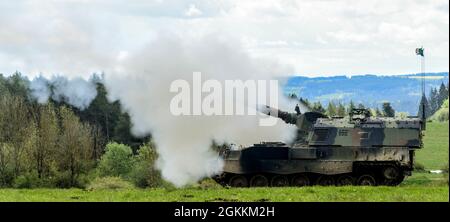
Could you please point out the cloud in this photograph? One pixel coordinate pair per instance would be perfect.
(193, 11)
(324, 37)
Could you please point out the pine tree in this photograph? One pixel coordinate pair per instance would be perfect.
(317, 107)
(447, 88)
(425, 103)
(388, 111)
(378, 113)
(434, 104)
(341, 110)
(331, 109)
(304, 101)
(351, 106)
(361, 106)
(442, 95)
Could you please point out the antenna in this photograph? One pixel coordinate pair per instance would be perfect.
(420, 52)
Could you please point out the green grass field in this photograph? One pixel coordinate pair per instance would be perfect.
(310, 194)
(419, 187)
(434, 155)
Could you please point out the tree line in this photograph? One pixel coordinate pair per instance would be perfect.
(434, 101)
(58, 145)
(337, 108)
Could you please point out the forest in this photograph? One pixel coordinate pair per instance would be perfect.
(58, 145)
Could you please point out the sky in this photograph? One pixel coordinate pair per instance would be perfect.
(315, 37)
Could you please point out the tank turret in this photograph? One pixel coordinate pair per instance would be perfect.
(303, 121)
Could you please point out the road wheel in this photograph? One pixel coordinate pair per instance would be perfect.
(345, 180)
(279, 181)
(398, 181)
(300, 180)
(238, 181)
(259, 181)
(391, 173)
(366, 180)
(325, 180)
(394, 182)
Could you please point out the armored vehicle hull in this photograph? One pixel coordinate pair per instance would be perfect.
(333, 151)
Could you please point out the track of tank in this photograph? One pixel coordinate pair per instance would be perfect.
(364, 174)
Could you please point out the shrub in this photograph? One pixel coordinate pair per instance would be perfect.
(140, 174)
(116, 161)
(84, 180)
(168, 186)
(442, 115)
(32, 180)
(208, 183)
(144, 173)
(27, 180)
(6, 178)
(62, 180)
(107, 183)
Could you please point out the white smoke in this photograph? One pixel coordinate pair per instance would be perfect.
(77, 91)
(142, 81)
(40, 89)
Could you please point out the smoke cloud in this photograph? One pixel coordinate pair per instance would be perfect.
(40, 89)
(142, 81)
(77, 91)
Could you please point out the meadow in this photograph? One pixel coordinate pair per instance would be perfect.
(421, 186)
(308, 194)
(434, 155)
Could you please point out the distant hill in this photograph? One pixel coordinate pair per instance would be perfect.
(402, 91)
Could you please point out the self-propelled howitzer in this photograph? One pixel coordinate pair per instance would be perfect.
(354, 150)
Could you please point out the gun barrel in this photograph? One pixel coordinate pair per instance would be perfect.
(290, 118)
